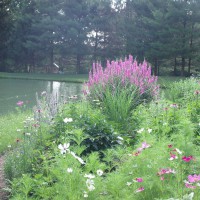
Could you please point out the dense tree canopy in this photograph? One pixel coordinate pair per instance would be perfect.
(42, 34)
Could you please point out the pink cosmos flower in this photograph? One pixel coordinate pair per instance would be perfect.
(187, 185)
(139, 180)
(162, 178)
(197, 92)
(174, 105)
(137, 153)
(145, 145)
(20, 103)
(166, 171)
(170, 145)
(187, 159)
(173, 156)
(139, 189)
(194, 178)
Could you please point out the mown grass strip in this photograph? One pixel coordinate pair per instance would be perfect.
(75, 78)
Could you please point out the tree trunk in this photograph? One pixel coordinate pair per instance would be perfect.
(191, 44)
(51, 58)
(189, 65)
(78, 64)
(183, 47)
(155, 67)
(183, 66)
(175, 67)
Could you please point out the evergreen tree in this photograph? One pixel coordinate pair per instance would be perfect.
(5, 26)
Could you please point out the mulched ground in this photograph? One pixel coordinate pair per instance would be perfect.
(3, 195)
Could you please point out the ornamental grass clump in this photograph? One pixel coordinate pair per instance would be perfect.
(121, 86)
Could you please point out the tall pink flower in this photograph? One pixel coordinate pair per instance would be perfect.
(123, 73)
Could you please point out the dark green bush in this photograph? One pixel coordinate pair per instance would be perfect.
(99, 133)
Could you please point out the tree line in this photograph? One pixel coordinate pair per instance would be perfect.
(71, 34)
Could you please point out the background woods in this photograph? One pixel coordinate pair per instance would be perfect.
(37, 35)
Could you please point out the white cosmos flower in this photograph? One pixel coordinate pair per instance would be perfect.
(91, 187)
(89, 182)
(119, 138)
(69, 170)
(129, 183)
(85, 194)
(188, 196)
(66, 120)
(64, 148)
(141, 130)
(178, 151)
(149, 130)
(78, 158)
(99, 172)
(90, 176)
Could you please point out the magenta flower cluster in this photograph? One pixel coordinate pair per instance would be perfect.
(127, 72)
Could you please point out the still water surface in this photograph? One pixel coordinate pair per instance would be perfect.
(14, 90)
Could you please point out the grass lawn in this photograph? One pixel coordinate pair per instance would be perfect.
(80, 78)
(12, 126)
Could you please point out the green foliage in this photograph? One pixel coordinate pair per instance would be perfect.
(120, 174)
(184, 91)
(99, 134)
(19, 160)
(11, 129)
(78, 156)
(119, 104)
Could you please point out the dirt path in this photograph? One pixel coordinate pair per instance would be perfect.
(3, 195)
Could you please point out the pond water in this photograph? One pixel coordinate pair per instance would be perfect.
(15, 90)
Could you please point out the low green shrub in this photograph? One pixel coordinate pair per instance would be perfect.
(99, 134)
(184, 91)
(151, 170)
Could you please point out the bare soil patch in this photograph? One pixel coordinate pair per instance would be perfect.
(3, 195)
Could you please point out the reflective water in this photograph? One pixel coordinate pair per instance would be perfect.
(14, 90)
